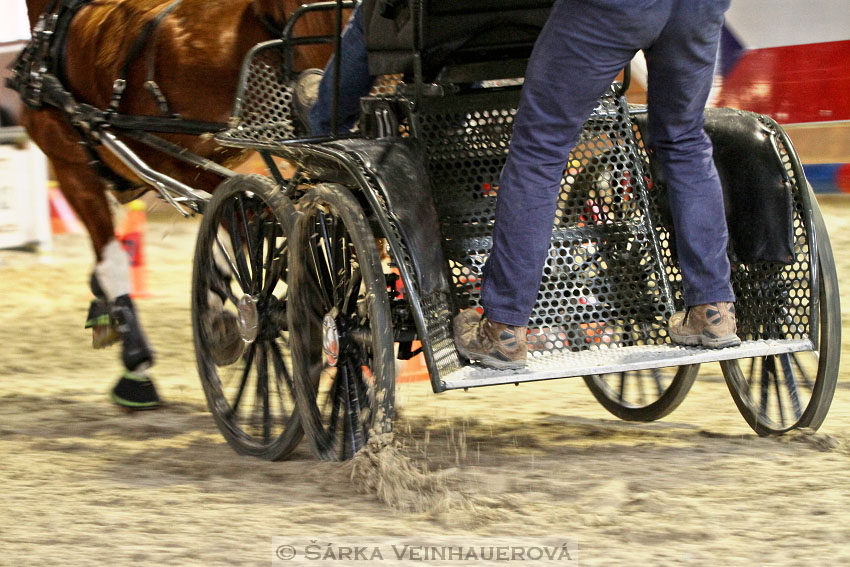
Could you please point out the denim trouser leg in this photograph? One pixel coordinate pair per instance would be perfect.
(681, 68)
(354, 80)
(581, 49)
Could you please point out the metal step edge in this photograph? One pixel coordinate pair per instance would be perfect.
(566, 364)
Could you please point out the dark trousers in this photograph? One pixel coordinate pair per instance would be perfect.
(354, 81)
(580, 51)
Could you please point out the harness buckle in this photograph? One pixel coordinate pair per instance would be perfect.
(117, 91)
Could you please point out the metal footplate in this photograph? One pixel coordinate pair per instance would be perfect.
(565, 364)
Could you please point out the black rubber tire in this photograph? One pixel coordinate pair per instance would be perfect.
(811, 414)
(669, 392)
(336, 276)
(247, 225)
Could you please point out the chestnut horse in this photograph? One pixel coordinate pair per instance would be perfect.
(198, 51)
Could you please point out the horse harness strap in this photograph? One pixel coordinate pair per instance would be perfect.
(39, 77)
(120, 84)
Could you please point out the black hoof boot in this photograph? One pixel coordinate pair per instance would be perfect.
(136, 352)
(135, 392)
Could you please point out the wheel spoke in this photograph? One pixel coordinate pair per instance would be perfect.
(640, 387)
(352, 292)
(765, 387)
(656, 375)
(280, 366)
(322, 279)
(791, 384)
(335, 399)
(265, 230)
(750, 376)
(355, 380)
(262, 393)
(219, 284)
(252, 274)
(803, 374)
(280, 371)
(339, 255)
(275, 266)
(350, 432)
(328, 254)
(249, 362)
(362, 391)
(622, 390)
(239, 252)
(776, 388)
(243, 284)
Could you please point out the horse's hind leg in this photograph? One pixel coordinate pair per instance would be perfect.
(86, 193)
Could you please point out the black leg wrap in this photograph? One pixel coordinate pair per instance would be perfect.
(135, 392)
(95, 287)
(100, 313)
(137, 353)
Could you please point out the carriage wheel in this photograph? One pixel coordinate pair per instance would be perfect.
(239, 298)
(345, 389)
(643, 395)
(788, 391)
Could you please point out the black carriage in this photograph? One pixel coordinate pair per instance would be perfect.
(310, 283)
(419, 177)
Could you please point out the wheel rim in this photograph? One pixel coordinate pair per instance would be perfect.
(249, 386)
(778, 393)
(342, 323)
(643, 395)
(778, 388)
(781, 392)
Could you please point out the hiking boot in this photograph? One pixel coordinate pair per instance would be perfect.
(305, 92)
(711, 325)
(492, 344)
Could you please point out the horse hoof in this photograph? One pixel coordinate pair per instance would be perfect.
(135, 392)
(225, 338)
(103, 327)
(103, 336)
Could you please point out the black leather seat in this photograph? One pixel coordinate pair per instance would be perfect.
(450, 31)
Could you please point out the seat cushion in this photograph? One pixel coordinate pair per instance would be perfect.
(492, 27)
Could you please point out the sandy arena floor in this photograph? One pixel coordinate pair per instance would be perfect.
(82, 483)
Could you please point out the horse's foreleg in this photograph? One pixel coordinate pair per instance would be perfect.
(110, 282)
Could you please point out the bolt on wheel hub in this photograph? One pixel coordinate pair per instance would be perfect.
(330, 339)
(248, 318)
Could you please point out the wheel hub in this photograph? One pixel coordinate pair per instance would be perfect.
(330, 339)
(248, 318)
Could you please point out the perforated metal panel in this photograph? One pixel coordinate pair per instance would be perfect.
(602, 283)
(263, 114)
(773, 301)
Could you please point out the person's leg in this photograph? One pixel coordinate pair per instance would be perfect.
(681, 68)
(354, 80)
(578, 54)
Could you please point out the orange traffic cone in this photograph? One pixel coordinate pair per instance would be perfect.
(62, 217)
(414, 369)
(132, 238)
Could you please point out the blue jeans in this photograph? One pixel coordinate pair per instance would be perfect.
(354, 80)
(582, 48)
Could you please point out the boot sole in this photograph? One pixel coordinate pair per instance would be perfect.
(491, 362)
(708, 342)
